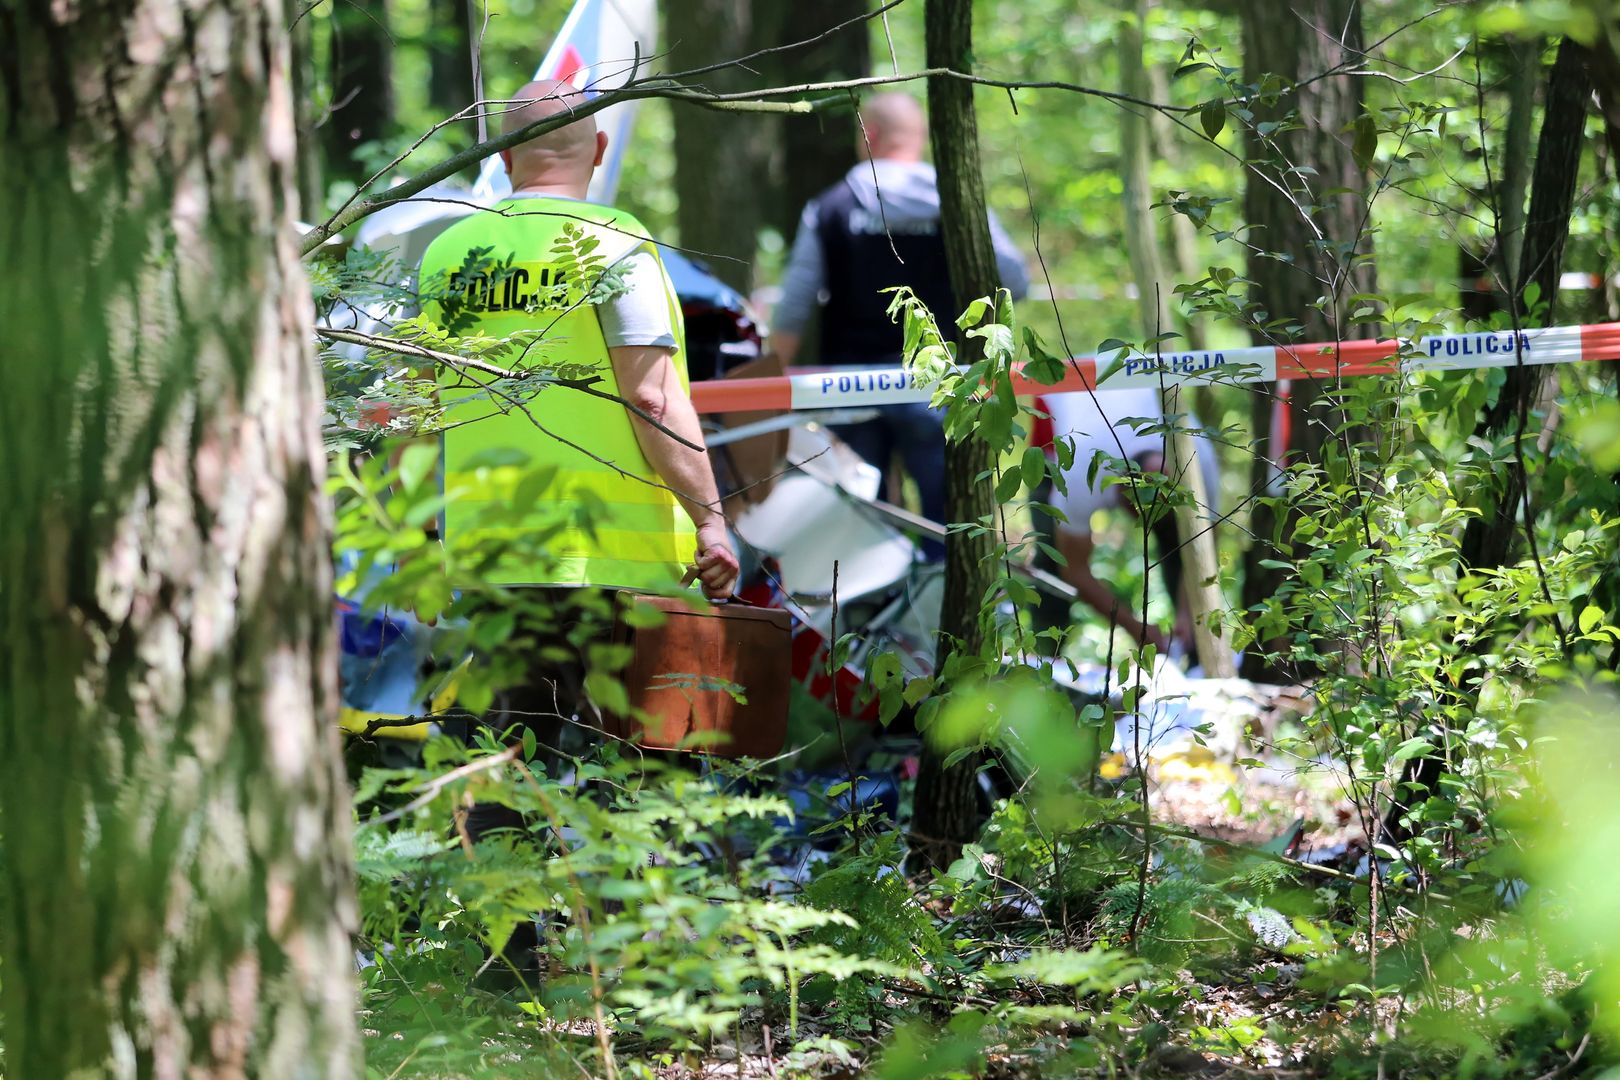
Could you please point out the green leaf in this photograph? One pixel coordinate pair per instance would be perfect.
(1366, 144)
(917, 689)
(974, 313)
(1591, 618)
(1041, 366)
(1033, 467)
(1411, 748)
(1007, 486)
(416, 463)
(1532, 295)
(1213, 117)
(607, 692)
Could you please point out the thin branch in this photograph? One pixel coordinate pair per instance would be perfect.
(450, 360)
(658, 87)
(744, 61)
(431, 789)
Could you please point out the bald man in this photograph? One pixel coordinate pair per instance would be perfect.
(879, 227)
(627, 505)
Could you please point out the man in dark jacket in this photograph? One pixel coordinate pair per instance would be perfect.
(876, 228)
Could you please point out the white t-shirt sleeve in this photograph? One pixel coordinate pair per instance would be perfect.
(1095, 423)
(640, 314)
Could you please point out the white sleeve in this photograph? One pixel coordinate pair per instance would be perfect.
(1094, 421)
(640, 314)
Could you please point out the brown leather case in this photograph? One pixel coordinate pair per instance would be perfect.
(681, 675)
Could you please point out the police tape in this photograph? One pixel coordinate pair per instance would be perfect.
(846, 387)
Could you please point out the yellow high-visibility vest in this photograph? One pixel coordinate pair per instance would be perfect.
(607, 518)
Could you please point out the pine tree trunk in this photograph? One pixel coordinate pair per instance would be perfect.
(176, 888)
(1295, 39)
(361, 72)
(719, 156)
(947, 814)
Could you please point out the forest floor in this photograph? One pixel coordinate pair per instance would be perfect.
(1235, 1010)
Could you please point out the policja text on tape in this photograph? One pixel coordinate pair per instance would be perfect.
(840, 388)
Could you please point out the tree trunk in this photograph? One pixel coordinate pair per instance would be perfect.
(311, 190)
(1524, 70)
(361, 72)
(1292, 39)
(947, 814)
(1201, 581)
(1604, 65)
(176, 888)
(450, 64)
(1490, 538)
(1183, 233)
(808, 154)
(719, 156)
(813, 152)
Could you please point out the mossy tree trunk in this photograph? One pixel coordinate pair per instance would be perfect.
(947, 814)
(176, 892)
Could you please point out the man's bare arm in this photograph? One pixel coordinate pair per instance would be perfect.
(648, 380)
(1077, 548)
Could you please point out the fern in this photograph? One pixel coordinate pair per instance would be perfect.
(387, 856)
(1170, 933)
(888, 924)
(1257, 878)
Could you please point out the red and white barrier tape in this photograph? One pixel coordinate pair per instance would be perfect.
(846, 387)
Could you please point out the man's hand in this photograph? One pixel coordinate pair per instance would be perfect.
(647, 377)
(716, 563)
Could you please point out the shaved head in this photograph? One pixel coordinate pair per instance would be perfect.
(894, 127)
(562, 157)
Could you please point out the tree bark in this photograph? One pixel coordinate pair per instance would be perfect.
(1201, 581)
(812, 152)
(1604, 66)
(310, 187)
(1524, 70)
(720, 157)
(946, 814)
(1490, 538)
(361, 73)
(1317, 222)
(450, 63)
(808, 154)
(1183, 233)
(176, 891)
